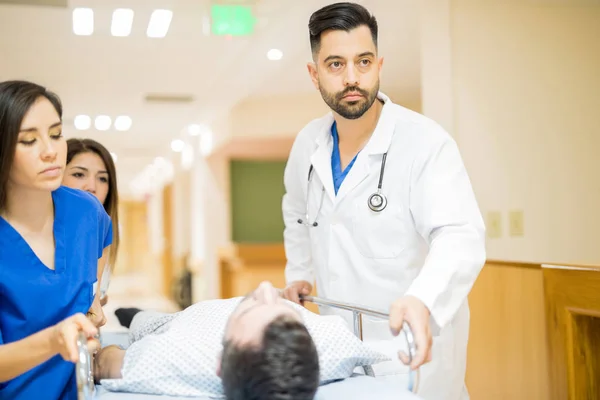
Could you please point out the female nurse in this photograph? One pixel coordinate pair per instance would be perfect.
(90, 167)
(52, 241)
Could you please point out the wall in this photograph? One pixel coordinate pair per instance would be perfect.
(284, 115)
(256, 194)
(526, 101)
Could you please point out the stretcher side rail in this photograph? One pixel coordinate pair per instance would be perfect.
(86, 388)
(357, 313)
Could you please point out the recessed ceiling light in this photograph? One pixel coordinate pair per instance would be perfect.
(194, 130)
(83, 21)
(177, 145)
(123, 123)
(274, 54)
(122, 20)
(82, 122)
(114, 156)
(102, 122)
(160, 20)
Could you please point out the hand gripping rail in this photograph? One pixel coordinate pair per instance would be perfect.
(357, 313)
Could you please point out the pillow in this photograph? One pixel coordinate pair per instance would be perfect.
(182, 360)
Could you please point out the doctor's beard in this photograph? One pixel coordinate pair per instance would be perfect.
(352, 109)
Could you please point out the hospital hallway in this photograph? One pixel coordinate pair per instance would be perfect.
(133, 291)
(198, 103)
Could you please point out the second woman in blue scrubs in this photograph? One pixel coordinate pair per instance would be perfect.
(52, 240)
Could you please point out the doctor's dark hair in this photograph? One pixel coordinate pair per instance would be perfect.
(76, 146)
(16, 98)
(342, 17)
(285, 366)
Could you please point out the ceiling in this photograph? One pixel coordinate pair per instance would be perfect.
(102, 74)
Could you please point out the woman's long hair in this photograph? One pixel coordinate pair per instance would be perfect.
(111, 204)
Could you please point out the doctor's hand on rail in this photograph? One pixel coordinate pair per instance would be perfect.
(64, 336)
(411, 310)
(293, 291)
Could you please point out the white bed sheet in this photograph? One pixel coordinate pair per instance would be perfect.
(357, 387)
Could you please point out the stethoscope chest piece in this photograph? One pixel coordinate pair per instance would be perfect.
(377, 202)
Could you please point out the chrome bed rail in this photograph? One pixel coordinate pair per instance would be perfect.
(357, 313)
(86, 388)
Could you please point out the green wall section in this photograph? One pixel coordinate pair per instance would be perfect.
(256, 193)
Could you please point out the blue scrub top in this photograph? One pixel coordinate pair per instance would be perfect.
(336, 162)
(34, 297)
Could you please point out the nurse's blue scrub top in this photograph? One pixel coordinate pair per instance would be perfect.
(336, 162)
(34, 297)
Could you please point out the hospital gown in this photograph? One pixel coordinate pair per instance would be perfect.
(178, 354)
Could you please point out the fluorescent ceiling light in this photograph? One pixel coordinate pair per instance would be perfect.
(274, 54)
(82, 122)
(114, 156)
(177, 145)
(122, 21)
(83, 21)
(102, 122)
(123, 123)
(159, 23)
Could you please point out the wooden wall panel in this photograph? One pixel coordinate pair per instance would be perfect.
(134, 248)
(167, 261)
(245, 266)
(573, 309)
(507, 345)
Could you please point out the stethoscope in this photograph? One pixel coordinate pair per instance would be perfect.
(376, 202)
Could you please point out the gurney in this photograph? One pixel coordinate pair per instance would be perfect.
(358, 386)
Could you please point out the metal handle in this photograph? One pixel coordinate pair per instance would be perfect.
(86, 389)
(357, 313)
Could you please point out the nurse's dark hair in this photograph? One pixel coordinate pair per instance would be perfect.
(16, 98)
(76, 146)
(341, 17)
(283, 366)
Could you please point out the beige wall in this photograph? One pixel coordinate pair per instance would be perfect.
(527, 95)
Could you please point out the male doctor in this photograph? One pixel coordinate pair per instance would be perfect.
(379, 209)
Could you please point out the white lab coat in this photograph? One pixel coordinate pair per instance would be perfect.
(429, 242)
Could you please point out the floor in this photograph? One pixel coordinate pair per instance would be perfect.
(135, 290)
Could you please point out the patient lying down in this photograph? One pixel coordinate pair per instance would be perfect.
(259, 347)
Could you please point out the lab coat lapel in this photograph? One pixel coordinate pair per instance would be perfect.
(321, 158)
(378, 144)
(358, 173)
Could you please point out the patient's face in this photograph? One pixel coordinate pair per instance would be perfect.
(249, 320)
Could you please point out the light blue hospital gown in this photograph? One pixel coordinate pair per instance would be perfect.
(177, 354)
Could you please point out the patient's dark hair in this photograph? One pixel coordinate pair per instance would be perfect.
(340, 17)
(285, 366)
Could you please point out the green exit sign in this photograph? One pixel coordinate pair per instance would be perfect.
(231, 20)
